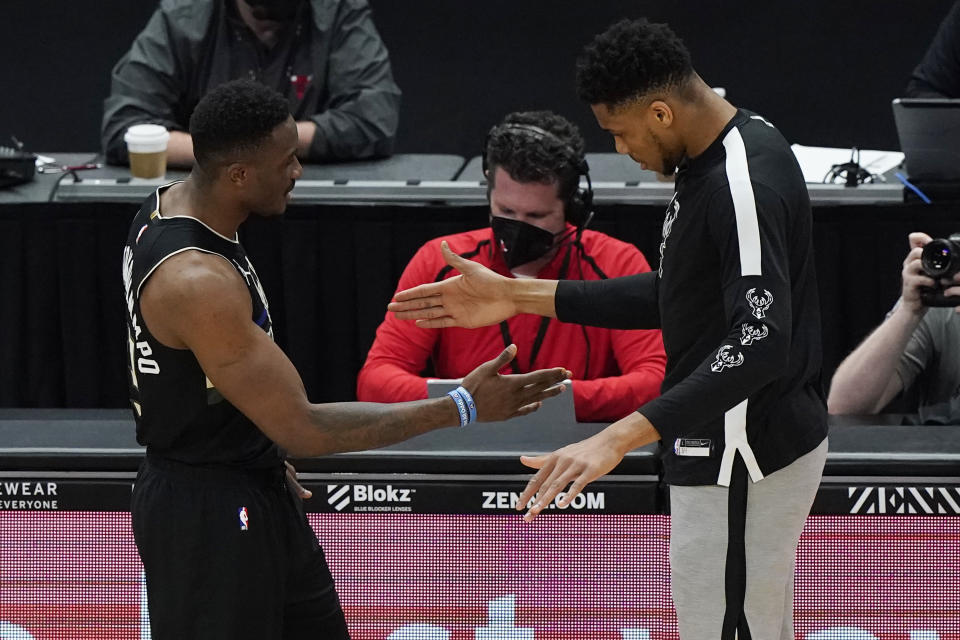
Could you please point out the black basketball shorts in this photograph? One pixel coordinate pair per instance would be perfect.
(230, 554)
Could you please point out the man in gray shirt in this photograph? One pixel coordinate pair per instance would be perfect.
(915, 345)
(324, 56)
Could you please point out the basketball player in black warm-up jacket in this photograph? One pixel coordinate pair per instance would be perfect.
(741, 417)
(226, 547)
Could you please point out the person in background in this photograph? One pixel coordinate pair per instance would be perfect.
(916, 346)
(533, 163)
(938, 74)
(324, 56)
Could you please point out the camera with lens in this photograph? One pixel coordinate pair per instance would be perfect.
(940, 260)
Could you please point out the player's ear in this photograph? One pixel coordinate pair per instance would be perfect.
(237, 174)
(661, 112)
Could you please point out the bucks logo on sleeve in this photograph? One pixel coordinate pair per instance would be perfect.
(726, 358)
(751, 332)
(759, 303)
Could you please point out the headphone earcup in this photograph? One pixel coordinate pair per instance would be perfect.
(574, 210)
(579, 208)
(586, 202)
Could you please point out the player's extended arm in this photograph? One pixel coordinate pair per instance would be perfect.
(478, 297)
(198, 302)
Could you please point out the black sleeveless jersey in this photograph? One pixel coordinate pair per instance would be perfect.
(179, 414)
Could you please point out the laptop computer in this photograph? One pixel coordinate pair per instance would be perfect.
(929, 132)
(556, 410)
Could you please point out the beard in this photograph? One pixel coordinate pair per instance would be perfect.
(670, 160)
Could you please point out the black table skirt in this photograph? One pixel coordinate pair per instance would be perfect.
(330, 270)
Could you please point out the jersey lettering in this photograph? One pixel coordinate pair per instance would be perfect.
(142, 362)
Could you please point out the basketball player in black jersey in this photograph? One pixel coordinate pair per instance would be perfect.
(227, 549)
(741, 416)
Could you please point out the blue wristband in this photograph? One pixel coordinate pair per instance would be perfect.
(468, 399)
(461, 407)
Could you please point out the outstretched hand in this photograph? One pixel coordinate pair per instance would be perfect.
(580, 463)
(477, 297)
(576, 465)
(499, 397)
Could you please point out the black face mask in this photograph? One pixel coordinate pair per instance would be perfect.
(278, 10)
(520, 242)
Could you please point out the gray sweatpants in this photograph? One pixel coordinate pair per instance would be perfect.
(733, 551)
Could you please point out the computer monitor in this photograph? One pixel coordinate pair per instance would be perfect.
(929, 132)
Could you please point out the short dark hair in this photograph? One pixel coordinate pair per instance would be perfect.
(632, 58)
(528, 156)
(237, 116)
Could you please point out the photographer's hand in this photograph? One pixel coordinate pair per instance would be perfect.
(914, 280)
(951, 288)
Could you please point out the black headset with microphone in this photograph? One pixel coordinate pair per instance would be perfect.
(578, 209)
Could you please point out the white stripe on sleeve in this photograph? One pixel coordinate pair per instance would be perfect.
(744, 204)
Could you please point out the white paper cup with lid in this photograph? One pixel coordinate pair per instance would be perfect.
(147, 148)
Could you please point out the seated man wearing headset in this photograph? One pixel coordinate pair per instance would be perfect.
(533, 162)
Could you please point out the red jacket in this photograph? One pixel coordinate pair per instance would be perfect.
(614, 372)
